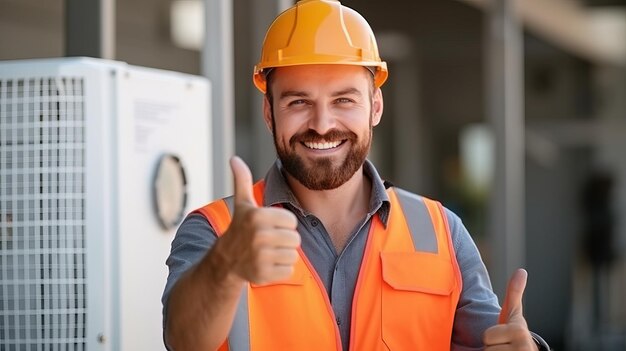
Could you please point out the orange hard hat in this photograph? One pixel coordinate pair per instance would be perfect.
(319, 32)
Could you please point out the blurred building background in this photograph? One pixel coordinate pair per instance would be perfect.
(554, 91)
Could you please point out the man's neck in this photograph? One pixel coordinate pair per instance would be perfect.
(340, 209)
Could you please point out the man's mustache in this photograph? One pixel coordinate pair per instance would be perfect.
(314, 137)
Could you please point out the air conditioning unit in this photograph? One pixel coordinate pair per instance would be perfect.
(99, 160)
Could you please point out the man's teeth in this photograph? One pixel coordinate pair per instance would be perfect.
(322, 146)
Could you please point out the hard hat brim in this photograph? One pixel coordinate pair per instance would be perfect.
(380, 71)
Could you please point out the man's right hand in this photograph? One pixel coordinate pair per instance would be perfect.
(261, 242)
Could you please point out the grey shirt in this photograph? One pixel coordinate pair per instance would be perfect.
(478, 306)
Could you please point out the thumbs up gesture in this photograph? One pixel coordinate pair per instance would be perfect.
(261, 242)
(512, 332)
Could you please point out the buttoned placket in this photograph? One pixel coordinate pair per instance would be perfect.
(337, 288)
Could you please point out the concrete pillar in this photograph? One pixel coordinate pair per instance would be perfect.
(90, 28)
(217, 65)
(505, 94)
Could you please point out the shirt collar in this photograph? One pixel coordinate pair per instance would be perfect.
(277, 191)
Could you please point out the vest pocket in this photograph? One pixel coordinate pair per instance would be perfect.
(417, 306)
(417, 271)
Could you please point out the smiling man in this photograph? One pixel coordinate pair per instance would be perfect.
(326, 115)
(322, 254)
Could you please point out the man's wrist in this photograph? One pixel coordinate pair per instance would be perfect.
(541, 344)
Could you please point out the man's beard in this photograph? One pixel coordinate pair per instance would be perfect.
(320, 173)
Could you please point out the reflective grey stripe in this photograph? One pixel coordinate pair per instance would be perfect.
(239, 336)
(418, 220)
(230, 203)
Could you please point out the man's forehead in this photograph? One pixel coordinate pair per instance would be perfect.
(289, 76)
(330, 69)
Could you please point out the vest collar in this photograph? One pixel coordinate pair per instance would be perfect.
(277, 191)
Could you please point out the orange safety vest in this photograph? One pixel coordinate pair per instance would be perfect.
(405, 296)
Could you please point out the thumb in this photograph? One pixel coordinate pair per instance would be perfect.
(243, 181)
(512, 308)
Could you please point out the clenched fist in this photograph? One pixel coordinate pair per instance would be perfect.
(261, 242)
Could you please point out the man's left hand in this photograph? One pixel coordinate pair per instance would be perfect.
(512, 332)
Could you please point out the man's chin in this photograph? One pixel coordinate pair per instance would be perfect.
(319, 173)
(322, 184)
(314, 179)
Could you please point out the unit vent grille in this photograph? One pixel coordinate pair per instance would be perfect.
(42, 214)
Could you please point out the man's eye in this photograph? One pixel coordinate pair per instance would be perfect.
(344, 100)
(297, 102)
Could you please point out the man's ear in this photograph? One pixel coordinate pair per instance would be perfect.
(267, 113)
(377, 106)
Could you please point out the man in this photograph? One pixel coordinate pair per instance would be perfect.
(320, 255)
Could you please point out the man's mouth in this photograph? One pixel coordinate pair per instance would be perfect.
(322, 146)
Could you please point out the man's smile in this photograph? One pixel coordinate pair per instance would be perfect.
(327, 145)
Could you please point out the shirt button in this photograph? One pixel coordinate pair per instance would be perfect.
(314, 222)
(338, 321)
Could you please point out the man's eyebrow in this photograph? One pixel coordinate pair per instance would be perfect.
(292, 93)
(298, 93)
(347, 91)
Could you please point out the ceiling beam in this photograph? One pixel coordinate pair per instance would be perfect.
(568, 25)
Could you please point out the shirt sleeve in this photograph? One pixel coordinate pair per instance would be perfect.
(193, 240)
(478, 306)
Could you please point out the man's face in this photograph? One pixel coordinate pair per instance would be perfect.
(321, 119)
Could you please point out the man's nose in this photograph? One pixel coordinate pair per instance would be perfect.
(322, 120)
